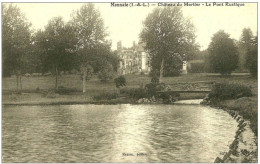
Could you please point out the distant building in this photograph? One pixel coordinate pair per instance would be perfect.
(133, 60)
(184, 67)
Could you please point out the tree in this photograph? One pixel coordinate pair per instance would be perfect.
(207, 65)
(120, 81)
(90, 33)
(168, 37)
(244, 45)
(251, 57)
(15, 41)
(223, 53)
(173, 64)
(106, 73)
(38, 53)
(99, 55)
(89, 72)
(58, 43)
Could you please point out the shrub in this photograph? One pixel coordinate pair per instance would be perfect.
(106, 73)
(65, 91)
(124, 90)
(151, 90)
(106, 96)
(196, 68)
(135, 93)
(169, 97)
(229, 91)
(120, 81)
(155, 80)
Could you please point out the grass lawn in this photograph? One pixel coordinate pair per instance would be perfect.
(95, 87)
(247, 107)
(74, 81)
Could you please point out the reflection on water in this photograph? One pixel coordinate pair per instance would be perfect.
(194, 102)
(102, 133)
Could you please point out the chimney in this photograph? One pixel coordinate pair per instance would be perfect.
(133, 44)
(119, 45)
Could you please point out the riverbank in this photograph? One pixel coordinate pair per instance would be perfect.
(55, 99)
(35, 88)
(244, 148)
(245, 106)
(32, 99)
(36, 91)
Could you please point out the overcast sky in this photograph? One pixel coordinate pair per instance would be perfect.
(125, 23)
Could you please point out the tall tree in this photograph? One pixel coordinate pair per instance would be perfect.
(15, 41)
(37, 53)
(169, 37)
(245, 42)
(58, 44)
(223, 53)
(90, 32)
(252, 57)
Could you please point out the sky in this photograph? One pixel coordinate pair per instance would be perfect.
(125, 23)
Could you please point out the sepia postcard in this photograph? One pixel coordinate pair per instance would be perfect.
(129, 82)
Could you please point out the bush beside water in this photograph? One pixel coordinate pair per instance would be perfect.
(106, 96)
(223, 91)
(151, 92)
(235, 97)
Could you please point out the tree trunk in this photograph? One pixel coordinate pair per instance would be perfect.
(20, 82)
(161, 70)
(56, 81)
(84, 81)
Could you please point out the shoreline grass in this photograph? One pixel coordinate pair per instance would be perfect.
(247, 107)
(33, 87)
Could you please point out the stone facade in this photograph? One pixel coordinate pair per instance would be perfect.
(184, 67)
(134, 60)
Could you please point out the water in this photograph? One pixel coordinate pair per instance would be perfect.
(102, 133)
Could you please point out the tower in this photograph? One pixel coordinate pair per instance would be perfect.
(119, 46)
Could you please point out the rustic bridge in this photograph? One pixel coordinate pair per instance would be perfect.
(185, 91)
(191, 87)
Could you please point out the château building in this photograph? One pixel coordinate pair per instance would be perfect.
(133, 60)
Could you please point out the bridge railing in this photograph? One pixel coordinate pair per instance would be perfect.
(191, 87)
